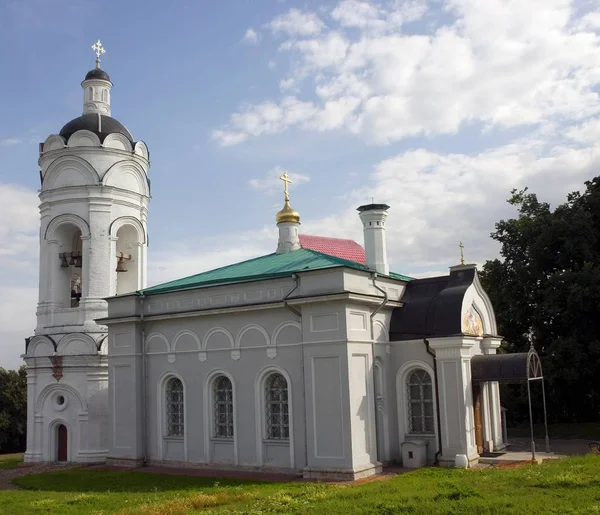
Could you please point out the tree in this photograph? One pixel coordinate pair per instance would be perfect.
(546, 290)
(13, 409)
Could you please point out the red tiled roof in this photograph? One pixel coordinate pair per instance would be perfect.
(338, 247)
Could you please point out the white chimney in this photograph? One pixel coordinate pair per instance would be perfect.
(373, 217)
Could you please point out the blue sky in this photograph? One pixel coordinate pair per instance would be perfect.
(437, 108)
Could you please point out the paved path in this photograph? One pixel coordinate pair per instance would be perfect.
(7, 475)
(574, 447)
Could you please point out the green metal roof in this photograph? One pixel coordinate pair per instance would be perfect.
(270, 266)
(401, 277)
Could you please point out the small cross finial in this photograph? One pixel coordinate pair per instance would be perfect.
(99, 49)
(286, 180)
(462, 257)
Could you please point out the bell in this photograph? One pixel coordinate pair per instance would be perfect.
(63, 261)
(121, 265)
(72, 261)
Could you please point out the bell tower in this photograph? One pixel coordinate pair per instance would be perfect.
(93, 207)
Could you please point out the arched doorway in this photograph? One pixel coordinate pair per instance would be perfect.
(61, 443)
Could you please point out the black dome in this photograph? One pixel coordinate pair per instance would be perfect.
(97, 73)
(90, 122)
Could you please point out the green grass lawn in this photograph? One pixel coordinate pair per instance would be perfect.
(585, 431)
(561, 486)
(10, 461)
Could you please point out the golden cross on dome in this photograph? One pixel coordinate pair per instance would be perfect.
(462, 257)
(99, 49)
(286, 180)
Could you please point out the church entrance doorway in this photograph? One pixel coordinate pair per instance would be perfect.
(478, 417)
(62, 440)
(510, 368)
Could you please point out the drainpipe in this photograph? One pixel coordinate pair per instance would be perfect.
(299, 315)
(380, 307)
(296, 284)
(375, 311)
(437, 400)
(144, 390)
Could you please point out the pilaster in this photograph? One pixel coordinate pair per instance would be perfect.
(490, 346)
(453, 362)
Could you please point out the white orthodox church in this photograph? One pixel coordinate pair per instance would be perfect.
(315, 359)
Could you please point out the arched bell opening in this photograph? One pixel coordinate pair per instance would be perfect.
(68, 273)
(127, 260)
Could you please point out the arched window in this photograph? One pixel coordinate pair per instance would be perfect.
(175, 409)
(276, 408)
(223, 407)
(419, 390)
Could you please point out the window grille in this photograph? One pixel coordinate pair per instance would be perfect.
(174, 394)
(277, 415)
(223, 407)
(419, 390)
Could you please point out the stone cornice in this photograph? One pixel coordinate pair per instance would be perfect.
(312, 299)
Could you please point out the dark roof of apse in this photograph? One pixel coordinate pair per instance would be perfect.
(432, 306)
(99, 124)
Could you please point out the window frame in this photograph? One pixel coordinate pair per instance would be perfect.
(167, 410)
(401, 376)
(283, 408)
(422, 401)
(230, 414)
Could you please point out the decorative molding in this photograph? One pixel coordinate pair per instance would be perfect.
(183, 333)
(252, 327)
(217, 330)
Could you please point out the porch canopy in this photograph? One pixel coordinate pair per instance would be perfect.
(520, 366)
(512, 368)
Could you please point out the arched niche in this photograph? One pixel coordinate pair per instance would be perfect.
(77, 344)
(53, 142)
(128, 258)
(69, 171)
(41, 346)
(84, 138)
(118, 142)
(141, 150)
(65, 261)
(127, 175)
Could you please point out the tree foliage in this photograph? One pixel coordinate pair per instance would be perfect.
(13, 409)
(546, 290)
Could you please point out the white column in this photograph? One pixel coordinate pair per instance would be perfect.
(490, 346)
(453, 358)
(33, 452)
(96, 272)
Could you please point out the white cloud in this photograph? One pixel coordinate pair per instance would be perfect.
(502, 63)
(272, 183)
(371, 16)
(19, 253)
(10, 142)
(266, 118)
(17, 322)
(19, 221)
(251, 37)
(297, 23)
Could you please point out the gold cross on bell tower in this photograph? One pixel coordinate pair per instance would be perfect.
(286, 180)
(99, 49)
(462, 257)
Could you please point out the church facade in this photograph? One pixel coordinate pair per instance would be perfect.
(315, 359)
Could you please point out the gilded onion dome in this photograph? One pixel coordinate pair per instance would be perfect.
(287, 214)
